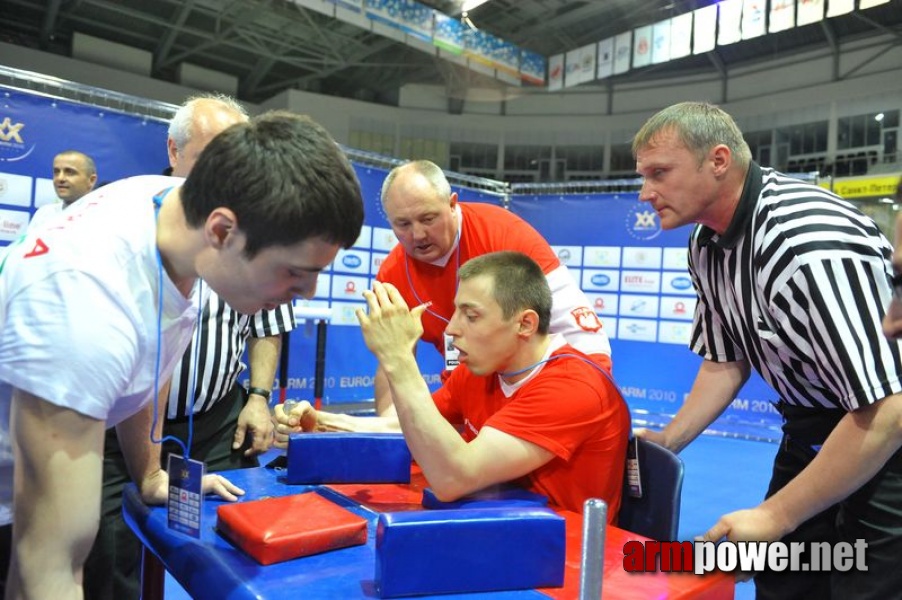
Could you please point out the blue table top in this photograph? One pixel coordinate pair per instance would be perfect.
(211, 567)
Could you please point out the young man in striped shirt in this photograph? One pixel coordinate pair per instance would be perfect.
(793, 282)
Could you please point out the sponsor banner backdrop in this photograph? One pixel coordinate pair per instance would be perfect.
(636, 278)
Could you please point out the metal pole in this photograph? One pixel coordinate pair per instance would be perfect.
(595, 518)
(319, 374)
(283, 366)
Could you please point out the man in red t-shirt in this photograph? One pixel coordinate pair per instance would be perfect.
(437, 234)
(524, 406)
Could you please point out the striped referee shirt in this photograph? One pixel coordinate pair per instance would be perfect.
(798, 286)
(218, 346)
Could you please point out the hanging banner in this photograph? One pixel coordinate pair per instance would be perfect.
(642, 41)
(704, 26)
(810, 11)
(840, 7)
(661, 35)
(729, 29)
(782, 15)
(556, 73)
(753, 14)
(605, 58)
(681, 36)
(623, 47)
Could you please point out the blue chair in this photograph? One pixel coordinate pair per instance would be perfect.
(656, 514)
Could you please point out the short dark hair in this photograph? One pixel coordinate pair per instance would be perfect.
(518, 283)
(285, 179)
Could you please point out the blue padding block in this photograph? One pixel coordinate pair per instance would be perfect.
(468, 550)
(493, 497)
(348, 458)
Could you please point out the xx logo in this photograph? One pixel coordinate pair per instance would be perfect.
(645, 219)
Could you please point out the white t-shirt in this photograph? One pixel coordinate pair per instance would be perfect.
(79, 311)
(44, 214)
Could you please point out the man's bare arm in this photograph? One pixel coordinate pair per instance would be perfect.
(57, 486)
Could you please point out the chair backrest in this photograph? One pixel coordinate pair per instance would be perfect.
(656, 514)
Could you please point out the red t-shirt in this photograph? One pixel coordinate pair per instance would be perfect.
(568, 408)
(486, 228)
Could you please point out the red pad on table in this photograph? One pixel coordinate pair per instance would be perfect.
(278, 529)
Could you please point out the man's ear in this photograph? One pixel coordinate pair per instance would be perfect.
(721, 159)
(529, 322)
(453, 202)
(173, 152)
(221, 227)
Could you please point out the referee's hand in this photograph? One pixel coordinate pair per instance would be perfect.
(254, 421)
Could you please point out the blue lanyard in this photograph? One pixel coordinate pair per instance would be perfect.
(186, 449)
(457, 282)
(556, 357)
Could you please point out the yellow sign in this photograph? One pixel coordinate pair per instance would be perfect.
(863, 187)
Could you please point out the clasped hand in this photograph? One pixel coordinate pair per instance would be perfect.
(390, 329)
(301, 417)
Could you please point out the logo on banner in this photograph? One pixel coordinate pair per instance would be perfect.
(681, 283)
(351, 261)
(600, 279)
(642, 222)
(12, 144)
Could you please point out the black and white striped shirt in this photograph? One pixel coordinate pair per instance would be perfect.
(223, 334)
(798, 286)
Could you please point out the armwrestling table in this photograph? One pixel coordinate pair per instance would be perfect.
(212, 568)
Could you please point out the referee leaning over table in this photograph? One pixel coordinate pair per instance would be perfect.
(231, 425)
(792, 281)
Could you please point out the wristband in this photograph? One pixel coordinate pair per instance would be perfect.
(255, 391)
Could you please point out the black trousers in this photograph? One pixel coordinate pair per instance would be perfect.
(113, 568)
(6, 554)
(872, 513)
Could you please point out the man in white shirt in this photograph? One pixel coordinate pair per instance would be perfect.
(96, 310)
(74, 175)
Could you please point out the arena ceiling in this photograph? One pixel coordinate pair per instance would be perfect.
(273, 45)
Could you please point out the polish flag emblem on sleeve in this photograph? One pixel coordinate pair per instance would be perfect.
(586, 318)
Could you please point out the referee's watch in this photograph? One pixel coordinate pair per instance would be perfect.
(255, 391)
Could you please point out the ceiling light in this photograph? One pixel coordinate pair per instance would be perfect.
(878, 117)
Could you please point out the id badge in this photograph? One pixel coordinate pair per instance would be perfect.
(633, 471)
(186, 496)
(452, 354)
